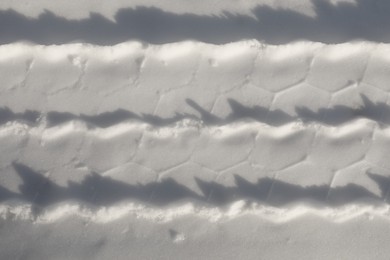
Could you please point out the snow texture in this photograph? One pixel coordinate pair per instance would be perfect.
(251, 129)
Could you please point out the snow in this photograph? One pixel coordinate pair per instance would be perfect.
(170, 81)
(306, 159)
(195, 129)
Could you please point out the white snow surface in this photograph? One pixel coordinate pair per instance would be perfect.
(250, 129)
(193, 78)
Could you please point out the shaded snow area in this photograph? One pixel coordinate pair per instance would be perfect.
(251, 129)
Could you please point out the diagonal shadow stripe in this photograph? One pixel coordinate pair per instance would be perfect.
(346, 21)
(97, 190)
(334, 116)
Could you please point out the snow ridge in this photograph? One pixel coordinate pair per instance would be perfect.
(157, 215)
